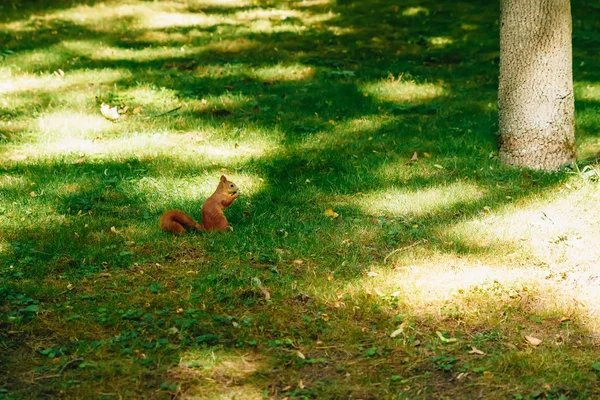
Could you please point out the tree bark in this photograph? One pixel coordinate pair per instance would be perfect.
(535, 93)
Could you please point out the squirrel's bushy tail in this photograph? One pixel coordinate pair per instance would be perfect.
(176, 221)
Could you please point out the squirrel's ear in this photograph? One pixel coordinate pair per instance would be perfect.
(223, 178)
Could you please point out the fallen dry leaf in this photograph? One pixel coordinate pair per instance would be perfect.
(414, 157)
(462, 375)
(399, 330)
(300, 355)
(532, 340)
(476, 351)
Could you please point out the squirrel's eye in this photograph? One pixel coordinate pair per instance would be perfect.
(231, 185)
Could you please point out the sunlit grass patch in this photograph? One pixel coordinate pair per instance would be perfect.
(398, 201)
(440, 41)
(98, 51)
(58, 82)
(414, 11)
(64, 124)
(550, 229)
(587, 91)
(401, 90)
(226, 374)
(296, 72)
(227, 4)
(39, 59)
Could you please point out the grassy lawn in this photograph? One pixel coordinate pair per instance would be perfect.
(440, 275)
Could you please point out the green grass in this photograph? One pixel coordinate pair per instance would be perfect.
(307, 106)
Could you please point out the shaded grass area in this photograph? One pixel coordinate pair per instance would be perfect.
(433, 281)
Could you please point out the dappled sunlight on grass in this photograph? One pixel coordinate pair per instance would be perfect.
(399, 90)
(98, 51)
(227, 374)
(173, 14)
(559, 232)
(40, 59)
(443, 288)
(65, 125)
(313, 3)
(227, 4)
(587, 91)
(189, 146)
(397, 201)
(414, 11)
(70, 80)
(440, 41)
(295, 72)
(231, 46)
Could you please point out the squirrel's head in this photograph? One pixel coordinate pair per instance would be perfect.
(227, 186)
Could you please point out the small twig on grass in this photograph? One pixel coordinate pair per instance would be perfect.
(165, 113)
(403, 249)
(79, 360)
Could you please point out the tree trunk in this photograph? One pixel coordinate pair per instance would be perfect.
(535, 93)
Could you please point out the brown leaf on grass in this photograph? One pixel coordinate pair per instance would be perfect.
(476, 351)
(532, 340)
(298, 262)
(414, 157)
(137, 110)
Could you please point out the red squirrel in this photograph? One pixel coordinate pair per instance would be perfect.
(213, 218)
